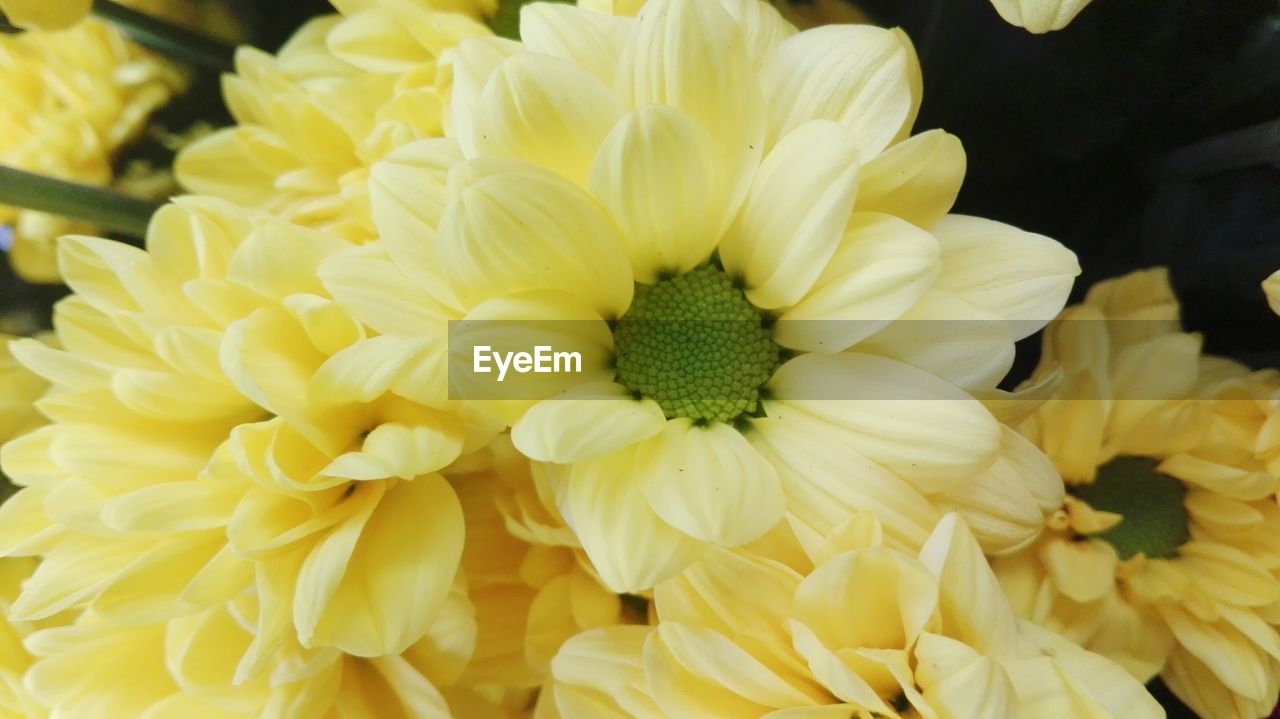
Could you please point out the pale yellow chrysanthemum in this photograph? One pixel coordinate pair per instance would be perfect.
(1040, 16)
(702, 163)
(72, 99)
(215, 433)
(864, 632)
(1165, 555)
(16, 701)
(336, 98)
(40, 15)
(186, 667)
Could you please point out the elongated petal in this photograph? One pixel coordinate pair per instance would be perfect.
(630, 546)
(507, 233)
(917, 179)
(794, 215)
(925, 430)
(1039, 16)
(591, 40)
(709, 482)
(1023, 277)
(856, 75)
(589, 422)
(546, 111)
(658, 175)
(881, 268)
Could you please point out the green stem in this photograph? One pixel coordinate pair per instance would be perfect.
(167, 39)
(105, 208)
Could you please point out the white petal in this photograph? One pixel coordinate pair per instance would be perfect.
(593, 41)
(588, 422)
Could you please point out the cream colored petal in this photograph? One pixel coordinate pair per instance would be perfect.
(1039, 16)
(826, 481)
(1084, 571)
(856, 75)
(973, 607)
(173, 507)
(709, 482)
(411, 367)
(587, 423)
(546, 111)
(917, 179)
(763, 27)
(399, 573)
(465, 70)
(380, 295)
(629, 545)
(1092, 678)
(882, 267)
(658, 175)
(921, 428)
(960, 683)
(407, 196)
(869, 598)
(1195, 684)
(723, 95)
(1000, 505)
(507, 233)
(1021, 276)
(375, 42)
(681, 691)
(279, 259)
(717, 659)
(794, 215)
(832, 673)
(1271, 287)
(593, 41)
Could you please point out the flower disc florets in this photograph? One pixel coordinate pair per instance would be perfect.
(1155, 520)
(696, 346)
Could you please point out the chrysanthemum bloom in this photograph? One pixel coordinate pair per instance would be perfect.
(1165, 554)
(865, 632)
(1040, 16)
(186, 667)
(339, 95)
(214, 436)
(703, 166)
(72, 99)
(38, 15)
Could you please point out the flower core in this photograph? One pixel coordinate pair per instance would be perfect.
(696, 346)
(1155, 520)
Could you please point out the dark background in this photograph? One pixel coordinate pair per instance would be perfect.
(1111, 136)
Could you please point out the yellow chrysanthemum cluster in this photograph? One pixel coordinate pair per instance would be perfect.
(73, 98)
(1165, 555)
(266, 491)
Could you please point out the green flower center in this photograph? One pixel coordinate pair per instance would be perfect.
(696, 346)
(1155, 520)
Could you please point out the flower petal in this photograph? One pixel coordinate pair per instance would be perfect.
(794, 215)
(658, 175)
(709, 482)
(1039, 16)
(588, 422)
(881, 268)
(629, 545)
(917, 179)
(856, 75)
(529, 231)
(1020, 276)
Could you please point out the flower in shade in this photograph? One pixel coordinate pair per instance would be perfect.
(106, 89)
(20, 389)
(38, 15)
(207, 443)
(862, 631)
(732, 223)
(1165, 554)
(343, 91)
(1039, 16)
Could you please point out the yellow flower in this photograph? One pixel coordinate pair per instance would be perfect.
(213, 436)
(336, 98)
(187, 667)
(776, 181)
(16, 701)
(1165, 555)
(1039, 16)
(865, 631)
(72, 99)
(38, 15)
